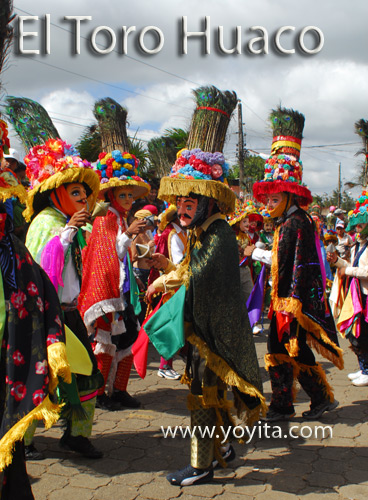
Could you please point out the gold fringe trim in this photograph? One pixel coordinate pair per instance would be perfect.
(17, 191)
(72, 174)
(185, 379)
(227, 375)
(140, 188)
(46, 411)
(321, 377)
(294, 307)
(58, 365)
(195, 402)
(292, 347)
(171, 187)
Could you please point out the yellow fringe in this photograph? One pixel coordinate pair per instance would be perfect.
(46, 411)
(294, 306)
(185, 379)
(72, 174)
(171, 187)
(17, 191)
(140, 188)
(195, 402)
(58, 365)
(292, 347)
(321, 376)
(225, 373)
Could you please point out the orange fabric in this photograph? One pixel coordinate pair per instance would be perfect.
(123, 373)
(100, 264)
(62, 201)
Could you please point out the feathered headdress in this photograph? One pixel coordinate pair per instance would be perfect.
(283, 169)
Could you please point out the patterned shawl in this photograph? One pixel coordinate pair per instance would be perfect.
(297, 283)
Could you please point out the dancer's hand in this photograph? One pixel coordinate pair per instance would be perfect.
(80, 218)
(151, 290)
(159, 261)
(332, 257)
(137, 226)
(248, 250)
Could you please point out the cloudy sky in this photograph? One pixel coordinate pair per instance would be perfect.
(330, 87)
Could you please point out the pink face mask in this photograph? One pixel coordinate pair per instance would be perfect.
(187, 208)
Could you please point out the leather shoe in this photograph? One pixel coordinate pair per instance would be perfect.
(31, 453)
(125, 399)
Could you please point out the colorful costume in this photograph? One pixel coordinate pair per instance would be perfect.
(57, 247)
(217, 328)
(109, 298)
(300, 313)
(352, 322)
(33, 353)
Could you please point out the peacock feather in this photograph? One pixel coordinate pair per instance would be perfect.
(112, 123)
(287, 122)
(30, 120)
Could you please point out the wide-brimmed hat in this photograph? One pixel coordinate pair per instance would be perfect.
(117, 169)
(243, 210)
(283, 169)
(49, 166)
(201, 173)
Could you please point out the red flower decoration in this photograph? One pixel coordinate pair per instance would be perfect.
(18, 358)
(41, 367)
(22, 313)
(17, 299)
(32, 289)
(18, 391)
(38, 397)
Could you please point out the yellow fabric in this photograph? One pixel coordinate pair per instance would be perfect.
(77, 354)
(347, 311)
(46, 411)
(58, 364)
(281, 144)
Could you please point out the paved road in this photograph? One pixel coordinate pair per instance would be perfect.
(137, 457)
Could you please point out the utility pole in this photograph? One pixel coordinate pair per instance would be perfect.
(339, 188)
(240, 147)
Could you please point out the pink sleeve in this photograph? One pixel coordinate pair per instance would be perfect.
(52, 261)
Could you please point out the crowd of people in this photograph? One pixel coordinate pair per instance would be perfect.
(94, 259)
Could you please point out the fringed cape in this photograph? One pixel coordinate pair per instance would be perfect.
(217, 317)
(32, 355)
(297, 284)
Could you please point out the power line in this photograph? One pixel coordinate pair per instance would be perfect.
(107, 84)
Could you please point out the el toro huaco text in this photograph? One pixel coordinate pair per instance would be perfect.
(151, 39)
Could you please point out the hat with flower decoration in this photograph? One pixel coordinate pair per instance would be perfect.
(266, 215)
(117, 169)
(243, 210)
(9, 184)
(360, 213)
(202, 173)
(49, 166)
(283, 169)
(330, 236)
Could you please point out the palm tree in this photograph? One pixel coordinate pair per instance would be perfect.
(162, 150)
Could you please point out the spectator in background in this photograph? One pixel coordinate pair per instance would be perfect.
(344, 240)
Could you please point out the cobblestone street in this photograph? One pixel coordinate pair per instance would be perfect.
(137, 457)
